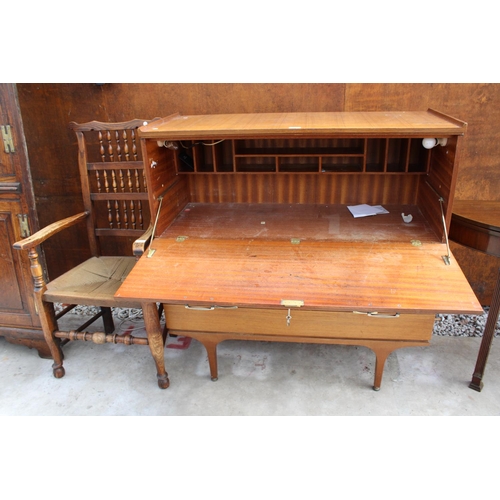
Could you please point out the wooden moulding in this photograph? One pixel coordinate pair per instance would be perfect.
(354, 124)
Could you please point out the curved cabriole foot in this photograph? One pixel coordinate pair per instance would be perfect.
(43, 350)
(58, 371)
(163, 381)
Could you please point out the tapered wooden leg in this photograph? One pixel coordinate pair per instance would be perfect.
(211, 347)
(156, 341)
(210, 342)
(381, 354)
(489, 332)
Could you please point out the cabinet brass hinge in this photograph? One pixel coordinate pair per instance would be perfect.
(24, 225)
(8, 143)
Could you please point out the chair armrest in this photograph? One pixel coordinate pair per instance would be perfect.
(140, 244)
(48, 231)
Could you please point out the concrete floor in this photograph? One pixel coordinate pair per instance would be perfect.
(255, 379)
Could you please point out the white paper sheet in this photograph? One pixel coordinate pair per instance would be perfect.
(366, 210)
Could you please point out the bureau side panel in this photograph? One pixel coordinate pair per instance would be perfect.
(440, 183)
(162, 181)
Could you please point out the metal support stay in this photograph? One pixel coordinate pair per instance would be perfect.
(151, 250)
(446, 258)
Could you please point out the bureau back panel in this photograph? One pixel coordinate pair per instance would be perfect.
(304, 188)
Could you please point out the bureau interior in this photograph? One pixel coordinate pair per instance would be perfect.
(395, 171)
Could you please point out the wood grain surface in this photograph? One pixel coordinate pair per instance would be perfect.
(482, 212)
(47, 108)
(303, 221)
(396, 123)
(329, 274)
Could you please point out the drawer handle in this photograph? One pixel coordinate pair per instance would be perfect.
(375, 314)
(208, 308)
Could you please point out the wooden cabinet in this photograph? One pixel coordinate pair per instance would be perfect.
(254, 239)
(18, 318)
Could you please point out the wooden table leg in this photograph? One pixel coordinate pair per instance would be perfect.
(156, 341)
(210, 345)
(211, 348)
(489, 332)
(381, 354)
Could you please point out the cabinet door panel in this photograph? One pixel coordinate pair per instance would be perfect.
(14, 295)
(10, 297)
(16, 197)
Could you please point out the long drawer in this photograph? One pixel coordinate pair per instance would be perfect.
(302, 323)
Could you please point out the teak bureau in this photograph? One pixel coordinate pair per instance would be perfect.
(254, 240)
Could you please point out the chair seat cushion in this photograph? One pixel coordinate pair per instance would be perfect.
(94, 282)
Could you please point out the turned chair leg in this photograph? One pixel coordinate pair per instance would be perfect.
(156, 342)
(46, 313)
(49, 326)
(107, 320)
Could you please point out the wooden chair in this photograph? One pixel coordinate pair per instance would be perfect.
(116, 208)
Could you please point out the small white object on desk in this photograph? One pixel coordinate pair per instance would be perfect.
(407, 218)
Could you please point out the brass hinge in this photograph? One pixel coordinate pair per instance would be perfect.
(8, 142)
(24, 225)
(375, 314)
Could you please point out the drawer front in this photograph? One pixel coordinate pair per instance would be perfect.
(326, 324)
